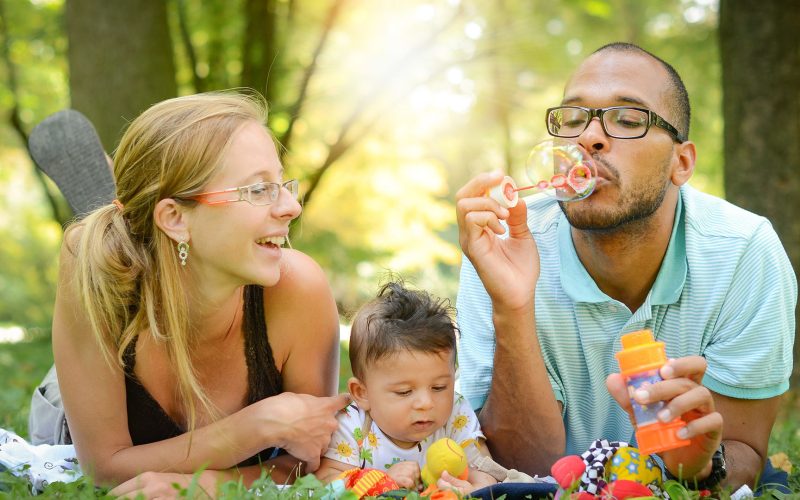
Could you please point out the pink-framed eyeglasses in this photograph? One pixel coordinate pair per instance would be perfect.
(258, 194)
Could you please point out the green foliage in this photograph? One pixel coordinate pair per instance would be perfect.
(410, 99)
(22, 366)
(28, 255)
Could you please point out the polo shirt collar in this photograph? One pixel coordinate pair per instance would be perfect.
(580, 287)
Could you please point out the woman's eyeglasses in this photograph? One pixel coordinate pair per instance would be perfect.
(259, 194)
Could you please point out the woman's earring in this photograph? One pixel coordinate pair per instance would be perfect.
(183, 252)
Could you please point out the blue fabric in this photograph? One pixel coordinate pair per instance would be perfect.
(516, 491)
(773, 479)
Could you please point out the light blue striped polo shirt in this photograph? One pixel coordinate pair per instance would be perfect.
(725, 290)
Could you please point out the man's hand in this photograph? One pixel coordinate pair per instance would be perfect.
(684, 397)
(508, 268)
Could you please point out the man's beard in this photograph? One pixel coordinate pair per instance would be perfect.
(636, 203)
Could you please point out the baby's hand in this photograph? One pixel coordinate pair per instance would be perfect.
(476, 481)
(448, 482)
(405, 474)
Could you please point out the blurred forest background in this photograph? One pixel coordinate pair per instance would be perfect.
(385, 108)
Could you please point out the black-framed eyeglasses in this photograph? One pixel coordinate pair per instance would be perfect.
(259, 194)
(620, 122)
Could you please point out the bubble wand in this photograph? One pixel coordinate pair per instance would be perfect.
(566, 171)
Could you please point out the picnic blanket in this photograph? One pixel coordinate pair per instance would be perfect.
(41, 465)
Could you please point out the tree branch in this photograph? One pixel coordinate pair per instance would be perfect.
(294, 111)
(381, 86)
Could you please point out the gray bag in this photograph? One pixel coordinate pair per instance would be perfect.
(47, 423)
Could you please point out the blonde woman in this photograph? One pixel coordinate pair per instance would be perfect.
(182, 331)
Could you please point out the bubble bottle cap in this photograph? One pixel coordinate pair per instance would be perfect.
(640, 352)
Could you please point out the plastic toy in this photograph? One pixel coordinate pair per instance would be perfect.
(444, 455)
(506, 193)
(608, 469)
(640, 360)
(363, 482)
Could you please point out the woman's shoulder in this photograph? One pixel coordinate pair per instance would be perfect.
(302, 287)
(300, 276)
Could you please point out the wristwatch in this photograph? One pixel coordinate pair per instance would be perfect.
(718, 472)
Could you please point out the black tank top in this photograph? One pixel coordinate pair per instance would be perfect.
(149, 423)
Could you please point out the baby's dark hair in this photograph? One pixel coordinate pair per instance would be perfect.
(400, 319)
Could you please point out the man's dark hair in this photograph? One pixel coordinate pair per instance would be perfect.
(678, 101)
(399, 319)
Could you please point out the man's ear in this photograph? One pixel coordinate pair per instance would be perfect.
(358, 390)
(683, 164)
(173, 219)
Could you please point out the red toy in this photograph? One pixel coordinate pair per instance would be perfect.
(367, 482)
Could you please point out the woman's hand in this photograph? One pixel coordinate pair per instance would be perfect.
(405, 474)
(508, 268)
(152, 485)
(305, 423)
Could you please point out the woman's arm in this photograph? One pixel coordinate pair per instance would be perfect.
(95, 403)
(282, 470)
(329, 469)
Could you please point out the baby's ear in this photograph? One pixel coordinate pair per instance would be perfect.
(358, 390)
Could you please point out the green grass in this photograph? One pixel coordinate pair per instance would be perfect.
(24, 364)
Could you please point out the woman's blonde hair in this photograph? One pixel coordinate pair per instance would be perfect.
(128, 271)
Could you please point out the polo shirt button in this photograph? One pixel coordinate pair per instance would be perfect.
(612, 308)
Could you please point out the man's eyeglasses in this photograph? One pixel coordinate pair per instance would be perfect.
(259, 194)
(620, 122)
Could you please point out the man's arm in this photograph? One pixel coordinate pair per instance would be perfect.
(521, 418)
(746, 429)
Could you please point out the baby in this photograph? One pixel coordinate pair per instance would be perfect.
(403, 353)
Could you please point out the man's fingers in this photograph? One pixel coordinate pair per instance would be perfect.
(665, 390)
(615, 383)
(476, 221)
(710, 424)
(691, 367)
(518, 221)
(466, 206)
(480, 185)
(699, 398)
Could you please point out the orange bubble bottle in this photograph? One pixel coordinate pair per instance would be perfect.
(639, 360)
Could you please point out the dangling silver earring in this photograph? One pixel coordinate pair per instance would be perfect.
(183, 252)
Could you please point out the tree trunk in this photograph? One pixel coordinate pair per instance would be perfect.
(259, 51)
(120, 59)
(760, 51)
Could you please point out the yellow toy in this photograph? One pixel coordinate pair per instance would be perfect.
(444, 455)
(629, 463)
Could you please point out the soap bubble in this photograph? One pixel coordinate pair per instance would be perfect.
(561, 169)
